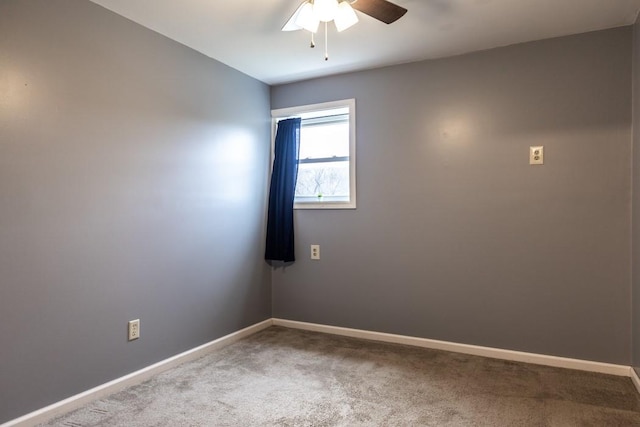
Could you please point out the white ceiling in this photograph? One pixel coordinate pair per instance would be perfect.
(245, 34)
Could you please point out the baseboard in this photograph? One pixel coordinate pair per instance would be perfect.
(634, 378)
(496, 353)
(74, 402)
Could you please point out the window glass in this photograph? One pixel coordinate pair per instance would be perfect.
(326, 169)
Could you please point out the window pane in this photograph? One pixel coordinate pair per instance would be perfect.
(330, 180)
(324, 140)
(326, 167)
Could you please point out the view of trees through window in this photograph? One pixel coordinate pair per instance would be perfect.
(323, 172)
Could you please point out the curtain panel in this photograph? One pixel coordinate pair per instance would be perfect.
(280, 238)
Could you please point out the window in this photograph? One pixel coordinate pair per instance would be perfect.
(326, 169)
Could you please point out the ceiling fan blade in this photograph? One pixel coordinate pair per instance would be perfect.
(382, 10)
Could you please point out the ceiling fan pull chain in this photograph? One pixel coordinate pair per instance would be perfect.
(313, 43)
(326, 42)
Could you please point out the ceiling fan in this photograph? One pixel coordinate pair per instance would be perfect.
(311, 13)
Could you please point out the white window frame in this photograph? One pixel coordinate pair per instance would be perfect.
(284, 113)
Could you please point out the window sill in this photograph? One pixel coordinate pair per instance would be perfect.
(325, 205)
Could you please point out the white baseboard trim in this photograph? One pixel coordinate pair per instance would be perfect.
(137, 377)
(634, 378)
(496, 353)
(74, 402)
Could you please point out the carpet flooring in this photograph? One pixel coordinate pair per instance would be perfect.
(285, 377)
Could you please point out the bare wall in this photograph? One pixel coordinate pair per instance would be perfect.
(132, 185)
(635, 252)
(456, 237)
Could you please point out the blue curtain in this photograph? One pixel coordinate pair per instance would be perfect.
(280, 242)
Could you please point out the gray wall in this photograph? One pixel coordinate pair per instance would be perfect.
(132, 185)
(636, 199)
(456, 237)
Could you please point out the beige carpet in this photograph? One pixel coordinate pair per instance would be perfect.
(283, 377)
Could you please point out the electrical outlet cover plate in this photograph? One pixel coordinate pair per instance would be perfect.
(536, 155)
(315, 251)
(134, 329)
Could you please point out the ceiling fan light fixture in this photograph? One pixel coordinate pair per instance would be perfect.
(325, 10)
(291, 23)
(345, 16)
(311, 12)
(306, 17)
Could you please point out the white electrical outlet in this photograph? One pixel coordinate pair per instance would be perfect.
(315, 251)
(536, 155)
(134, 329)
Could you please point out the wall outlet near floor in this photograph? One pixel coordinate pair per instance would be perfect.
(315, 251)
(134, 329)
